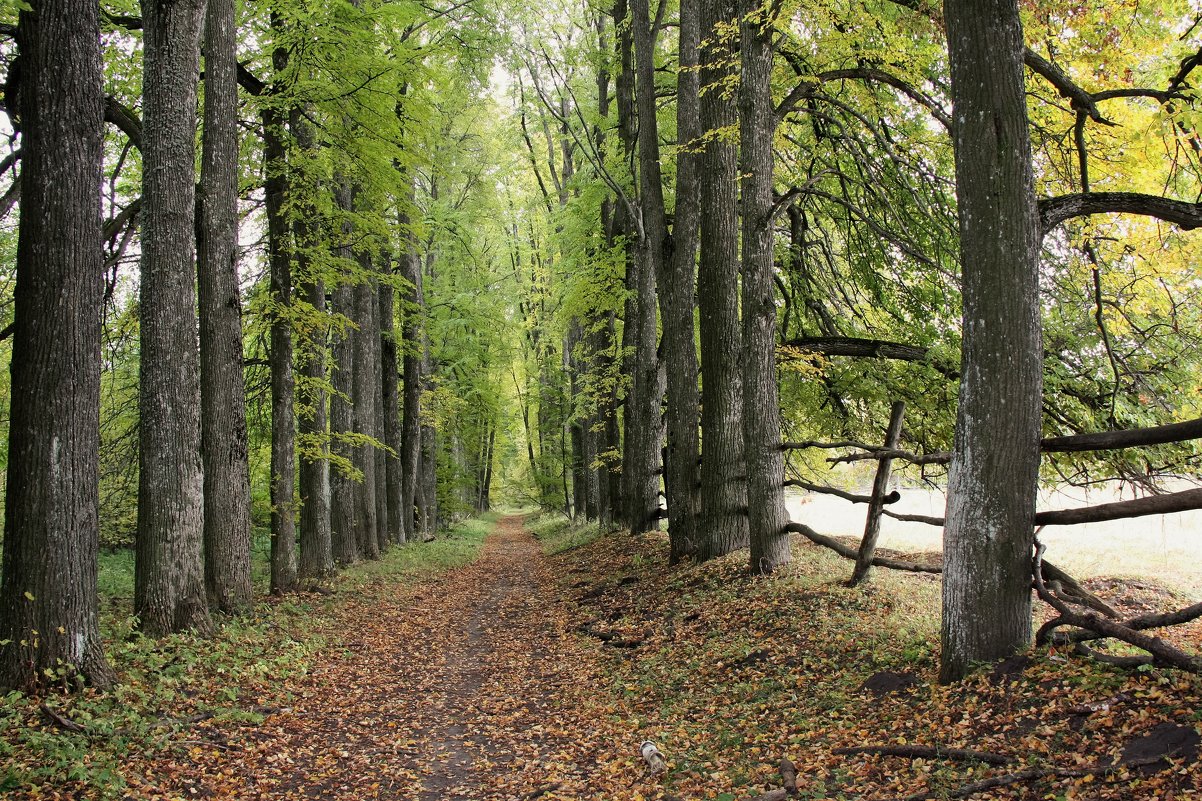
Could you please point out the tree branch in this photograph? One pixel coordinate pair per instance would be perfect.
(1055, 210)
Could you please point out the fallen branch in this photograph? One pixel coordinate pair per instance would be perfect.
(928, 752)
(1032, 774)
(1160, 650)
(62, 721)
(788, 775)
(1141, 623)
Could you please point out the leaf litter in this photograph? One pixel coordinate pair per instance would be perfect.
(523, 677)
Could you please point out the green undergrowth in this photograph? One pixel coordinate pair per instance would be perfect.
(164, 685)
(728, 673)
(558, 533)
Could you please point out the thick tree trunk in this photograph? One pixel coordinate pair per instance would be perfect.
(169, 592)
(366, 387)
(384, 535)
(222, 387)
(284, 561)
(51, 523)
(761, 404)
(316, 545)
(641, 412)
(411, 431)
(723, 524)
(675, 301)
(682, 480)
(390, 409)
(995, 465)
(342, 485)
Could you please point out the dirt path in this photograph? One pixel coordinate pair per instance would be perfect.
(464, 689)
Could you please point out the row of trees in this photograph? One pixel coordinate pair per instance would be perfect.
(336, 148)
(801, 165)
(700, 226)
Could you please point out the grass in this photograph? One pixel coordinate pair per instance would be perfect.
(163, 684)
(557, 533)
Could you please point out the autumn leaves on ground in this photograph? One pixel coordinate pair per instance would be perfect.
(534, 668)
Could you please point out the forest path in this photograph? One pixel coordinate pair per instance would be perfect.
(460, 688)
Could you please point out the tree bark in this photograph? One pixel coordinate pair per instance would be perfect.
(51, 523)
(880, 497)
(389, 368)
(169, 592)
(284, 561)
(995, 464)
(641, 412)
(429, 460)
(316, 544)
(411, 436)
(342, 484)
(723, 471)
(366, 387)
(222, 386)
(673, 261)
(761, 415)
(384, 536)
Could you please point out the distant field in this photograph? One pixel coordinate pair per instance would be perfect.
(1167, 548)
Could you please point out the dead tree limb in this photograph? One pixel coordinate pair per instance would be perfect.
(1033, 774)
(847, 552)
(61, 721)
(938, 457)
(880, 483)
(1137, 507)
(930, 521)
(892, 497)
(1160, 650)
(928, 752)
(1129, 438)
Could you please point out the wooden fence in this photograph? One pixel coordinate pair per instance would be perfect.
(886, 453)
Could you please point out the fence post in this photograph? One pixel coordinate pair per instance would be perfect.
(880, 487)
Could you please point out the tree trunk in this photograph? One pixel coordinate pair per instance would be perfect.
(682, 480)
(761, 404)
(384, 535)
(366, 387)
(342, 485)
(169, 592)
(316, 545)
(283, 384)
(723, 472)
(51, 523)
(222, 387)
(641, 412)
(429, 460)
(995, 465)
(389, 367)
(411, 432)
